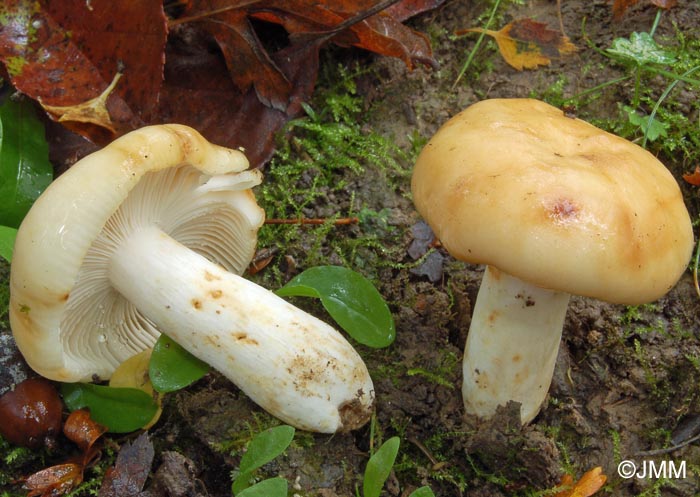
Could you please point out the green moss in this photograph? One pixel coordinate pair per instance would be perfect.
(322, 158)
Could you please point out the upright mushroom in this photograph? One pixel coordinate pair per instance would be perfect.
(148, 236)
(553, 206)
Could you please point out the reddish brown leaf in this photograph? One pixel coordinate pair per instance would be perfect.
(620, 6)
(131, 469)
(589, 484)
(694, 177)
(526, 44)
(55, 480)
(82, 430)
(66, 53)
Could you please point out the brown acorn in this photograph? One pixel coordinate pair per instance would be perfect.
(31, 414)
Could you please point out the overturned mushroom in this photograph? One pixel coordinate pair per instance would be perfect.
(553, 206)
(148, 236)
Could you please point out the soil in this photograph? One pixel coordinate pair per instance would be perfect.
(626, 385)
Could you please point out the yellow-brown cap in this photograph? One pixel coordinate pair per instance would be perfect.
(555, 201)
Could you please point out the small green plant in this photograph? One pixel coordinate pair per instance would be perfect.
(263, 448)
(648, 114)
(351, 300)
(379, 467)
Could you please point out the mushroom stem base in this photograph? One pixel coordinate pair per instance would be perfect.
(512, 345)
(292, 364)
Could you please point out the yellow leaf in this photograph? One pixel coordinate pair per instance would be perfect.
(93, 111)
(133, 373)
(589, 484)
(527, 44)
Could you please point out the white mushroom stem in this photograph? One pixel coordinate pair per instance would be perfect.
(292, 364)
(512, 345)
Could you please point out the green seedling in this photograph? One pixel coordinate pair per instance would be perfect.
(263, 448)
(643, 55)
(7, 242)
(351, 300)
(379, 467)
(25, 170)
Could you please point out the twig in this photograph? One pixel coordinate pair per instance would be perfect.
(658, 452)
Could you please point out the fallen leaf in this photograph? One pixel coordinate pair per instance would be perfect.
(82, 430)
(93, 111)
(62, 478)
(589, 484)
(620, 6)
(131, 469)
(133, 373)
(694, 177)
(55, 480)
(527, 44)
(66, 53)
(243, 98)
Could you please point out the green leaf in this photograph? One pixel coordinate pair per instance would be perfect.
(641, 49)
(379, 466)
(172, 367)
(272, 487)
(422, 492)
(262, 449)
(120, 409)
(350, 299)
(652, 128)
(25, 170)
(7, 242)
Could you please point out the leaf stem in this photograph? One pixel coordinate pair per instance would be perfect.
(479, 40)
(663, 96)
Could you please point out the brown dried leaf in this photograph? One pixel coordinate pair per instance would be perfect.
(131, 469)
(82, 430)
(589, 484)
(694, 177)
(55, 480)
(620, 6)
(66, 53)
(527, 44)
(93, 111)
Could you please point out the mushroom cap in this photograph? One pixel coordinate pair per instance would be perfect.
(554, 201)
(67, 320)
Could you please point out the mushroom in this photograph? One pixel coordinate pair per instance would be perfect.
(149, 235)
(553, 206)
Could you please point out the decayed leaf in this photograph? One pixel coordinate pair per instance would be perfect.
(62, 478)
(527, 44)
(130, 471)
(245, 97)
(93, 111)
(589, 484)
(66, 53)
(620, 6)
(55, 480)
(694, 177)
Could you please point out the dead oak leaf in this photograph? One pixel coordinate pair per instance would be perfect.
(93, 111)
(694, 177)
(620, 6)
(587, 485)
(62, 478)
(527, 44)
